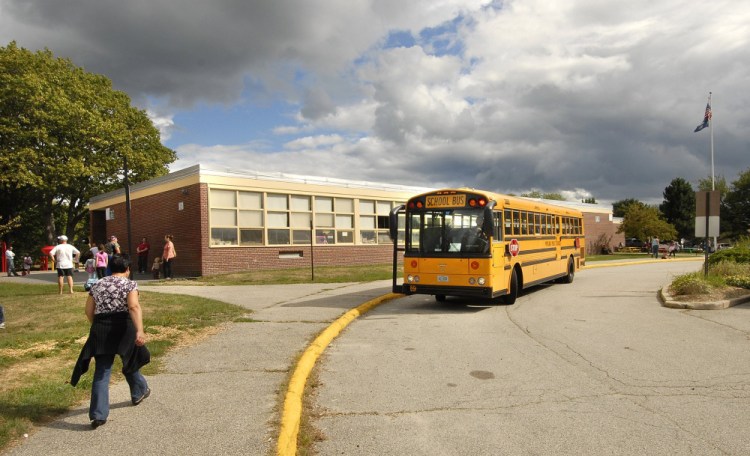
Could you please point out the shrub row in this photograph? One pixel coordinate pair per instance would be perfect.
(739, 281)
(735, 255)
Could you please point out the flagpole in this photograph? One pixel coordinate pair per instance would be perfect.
(713, 174)
(711, 126)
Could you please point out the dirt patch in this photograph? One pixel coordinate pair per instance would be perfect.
(42, 360)
(716, 295)
(17, 375)
(35, 348)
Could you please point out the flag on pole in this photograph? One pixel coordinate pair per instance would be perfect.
(706, 118)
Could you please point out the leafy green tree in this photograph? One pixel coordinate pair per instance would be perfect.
(619, 208)
(679, 207)
(644, 222)
(719, 182)
(64, 134)
(735, 215)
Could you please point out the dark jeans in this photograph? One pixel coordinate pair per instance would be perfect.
(2, 315)
(168, 268)
(99, 408)
(142, 263)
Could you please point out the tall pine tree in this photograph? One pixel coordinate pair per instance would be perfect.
(678, 207)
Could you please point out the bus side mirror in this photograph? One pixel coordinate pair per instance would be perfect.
(393, 223)
(488, 225)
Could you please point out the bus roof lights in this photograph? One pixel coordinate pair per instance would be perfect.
(474, 202)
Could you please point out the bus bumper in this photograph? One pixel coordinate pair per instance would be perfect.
(474, 292)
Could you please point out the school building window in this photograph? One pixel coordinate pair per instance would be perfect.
(374, 222)
(241, 218)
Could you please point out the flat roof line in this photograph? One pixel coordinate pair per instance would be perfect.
(203, 170)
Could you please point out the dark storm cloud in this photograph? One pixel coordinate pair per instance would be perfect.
(191, 50)
(568, 96)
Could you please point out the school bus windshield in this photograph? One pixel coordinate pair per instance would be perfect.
(448, 232)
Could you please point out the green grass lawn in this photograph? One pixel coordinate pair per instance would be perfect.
(43, 337)
(325, 274)
(636, 256)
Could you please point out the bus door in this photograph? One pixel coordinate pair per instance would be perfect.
(395, 220)
(558, 236)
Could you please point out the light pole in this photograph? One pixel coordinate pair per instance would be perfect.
(127, 208)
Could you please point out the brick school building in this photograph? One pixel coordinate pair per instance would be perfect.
(225, 220)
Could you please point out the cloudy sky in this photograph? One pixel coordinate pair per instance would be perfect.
(582, 97)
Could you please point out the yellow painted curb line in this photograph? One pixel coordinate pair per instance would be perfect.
(595, 265)
(290, 418)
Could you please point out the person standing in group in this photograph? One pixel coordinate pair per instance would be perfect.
(655, 246)
(672, 249)
(112, 248)
(142, 251)
(116, 318)
(10, 259)
(101, 260)
(2, 318)
(94, 249)
(64, 255)
(168, 256)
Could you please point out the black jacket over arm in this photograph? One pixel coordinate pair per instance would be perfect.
(111, 334)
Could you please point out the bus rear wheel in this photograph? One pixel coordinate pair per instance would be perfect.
(510, 298)
(568, 278)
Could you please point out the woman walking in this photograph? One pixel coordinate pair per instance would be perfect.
(116, 320)
(168, 256)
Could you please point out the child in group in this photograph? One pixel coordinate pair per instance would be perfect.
(90, 267)
(28, 262)
(102, 260)
(156, 268)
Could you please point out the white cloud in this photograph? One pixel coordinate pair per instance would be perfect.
(314, 142)
(582, 97)
(164, 123)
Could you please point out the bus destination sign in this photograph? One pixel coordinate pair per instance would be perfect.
(457, 200)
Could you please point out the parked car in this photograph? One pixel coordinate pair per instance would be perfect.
(633, 242)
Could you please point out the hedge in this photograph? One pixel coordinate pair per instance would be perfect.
(735, 255)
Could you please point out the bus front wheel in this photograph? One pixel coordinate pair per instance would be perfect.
(440, 298)
(510, 298)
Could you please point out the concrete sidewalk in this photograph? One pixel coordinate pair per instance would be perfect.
(219, 396)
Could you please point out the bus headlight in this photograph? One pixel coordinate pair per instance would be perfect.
(412, 279)
(472, 281)
(481, 281)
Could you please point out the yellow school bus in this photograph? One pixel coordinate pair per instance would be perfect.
(466, 242)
